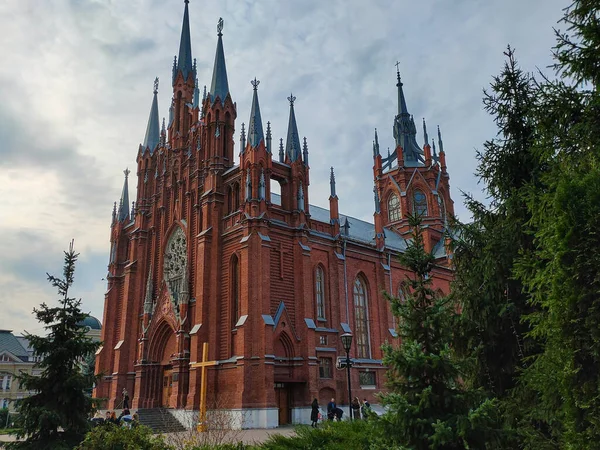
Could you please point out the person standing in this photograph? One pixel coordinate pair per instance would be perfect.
(356, 408)
(366, 408)
(125, 399)
(314, 413)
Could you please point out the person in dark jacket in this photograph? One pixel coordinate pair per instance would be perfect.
(331, 409)
(314, 413)
(356, 408)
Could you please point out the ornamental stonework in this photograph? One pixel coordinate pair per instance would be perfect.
(175, 265)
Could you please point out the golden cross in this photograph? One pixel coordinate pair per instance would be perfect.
(203, 365)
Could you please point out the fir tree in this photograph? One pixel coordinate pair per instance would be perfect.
(428, 405)
(491, 299)
(56, 415)
(562, 271)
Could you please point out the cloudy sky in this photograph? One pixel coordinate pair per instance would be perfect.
(76, 84)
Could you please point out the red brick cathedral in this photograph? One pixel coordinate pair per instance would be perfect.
(208, 253)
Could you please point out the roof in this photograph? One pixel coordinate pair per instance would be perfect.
(255, 128)
(219, 86)
(153, 129)
(184, 63)
(92, 322)
(10, 343)
(292, 143)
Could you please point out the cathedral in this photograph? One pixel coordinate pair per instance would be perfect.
(223, 247)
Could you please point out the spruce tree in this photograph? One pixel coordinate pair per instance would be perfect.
(562, 271)
(56, 414)
(429, 407)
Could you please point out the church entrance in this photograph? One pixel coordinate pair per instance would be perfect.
(167, 387)
(283, 395)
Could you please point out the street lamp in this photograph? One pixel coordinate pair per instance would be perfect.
(347, 344)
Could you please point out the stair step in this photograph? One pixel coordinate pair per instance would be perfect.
(160, 420)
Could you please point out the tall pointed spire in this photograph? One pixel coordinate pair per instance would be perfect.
(425, 136)
(292, 144)
(255, 128)
(184, 62)
(243, 139)
(124, 203)
(405, 131)
(440, 140)
(219, 86)
(152, 130)
(196, 103)
(332, 184)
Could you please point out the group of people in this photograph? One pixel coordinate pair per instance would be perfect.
(125, 419)
(359, 410)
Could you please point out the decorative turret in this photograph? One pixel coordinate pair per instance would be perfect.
(124, 203)
(219, 87)
(292, 145)
(152, 138)
(262, 193)
(255, 129)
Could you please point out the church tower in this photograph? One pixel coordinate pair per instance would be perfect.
(411, 180)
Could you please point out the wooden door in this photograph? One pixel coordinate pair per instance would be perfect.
(167, 387)
(283, 403)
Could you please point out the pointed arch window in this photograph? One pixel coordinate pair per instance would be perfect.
(419, 203)
(394, 211)
(235, 290)
(361, 317)
(320, 292)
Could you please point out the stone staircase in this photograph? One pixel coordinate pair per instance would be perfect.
(160, 420)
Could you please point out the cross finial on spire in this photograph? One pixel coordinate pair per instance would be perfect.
(291, 99)
(398, 71)
(220, 27)
(126, 172)
(255, 83)
(186, 1)
(156, 85)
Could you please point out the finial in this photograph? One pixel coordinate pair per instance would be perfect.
(376, 198)
(332, 183)
(220, 27)
(164, 128)
(243, 138)
(291, 99)
(114, 212)
(255, 83)
(440, 140)
(305, 151)
(398, 71)
(425, 137)
(433, 146)
(268, 130)
(132, 215)
(186, 1)
(204, 93)
(156, 85)
(126, 172)
(194, 69)
(346, 227)
(281, 153)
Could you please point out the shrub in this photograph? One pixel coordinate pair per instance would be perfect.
(112, 437)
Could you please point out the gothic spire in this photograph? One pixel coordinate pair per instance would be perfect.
(255, 128)
(124, 203)
(114, 213)
(196, 103)
(332, 184)
(152, 130)
(405, 132)
(425, 136)
(184, 62)
(375, 145)
(292, 144)
(219, 86)
(440, 140)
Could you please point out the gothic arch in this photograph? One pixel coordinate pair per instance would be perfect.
(161, 341)
(420, 201)
(393, 207)
(175, 263)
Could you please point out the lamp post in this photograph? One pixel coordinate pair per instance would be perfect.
(347, 343)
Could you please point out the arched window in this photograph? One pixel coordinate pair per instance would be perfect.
(419, 203)
(236, 197)
(320, 292)
(393, 208)
(361, 317)
(235, 290)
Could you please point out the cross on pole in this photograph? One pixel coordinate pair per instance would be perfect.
(203, 365)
